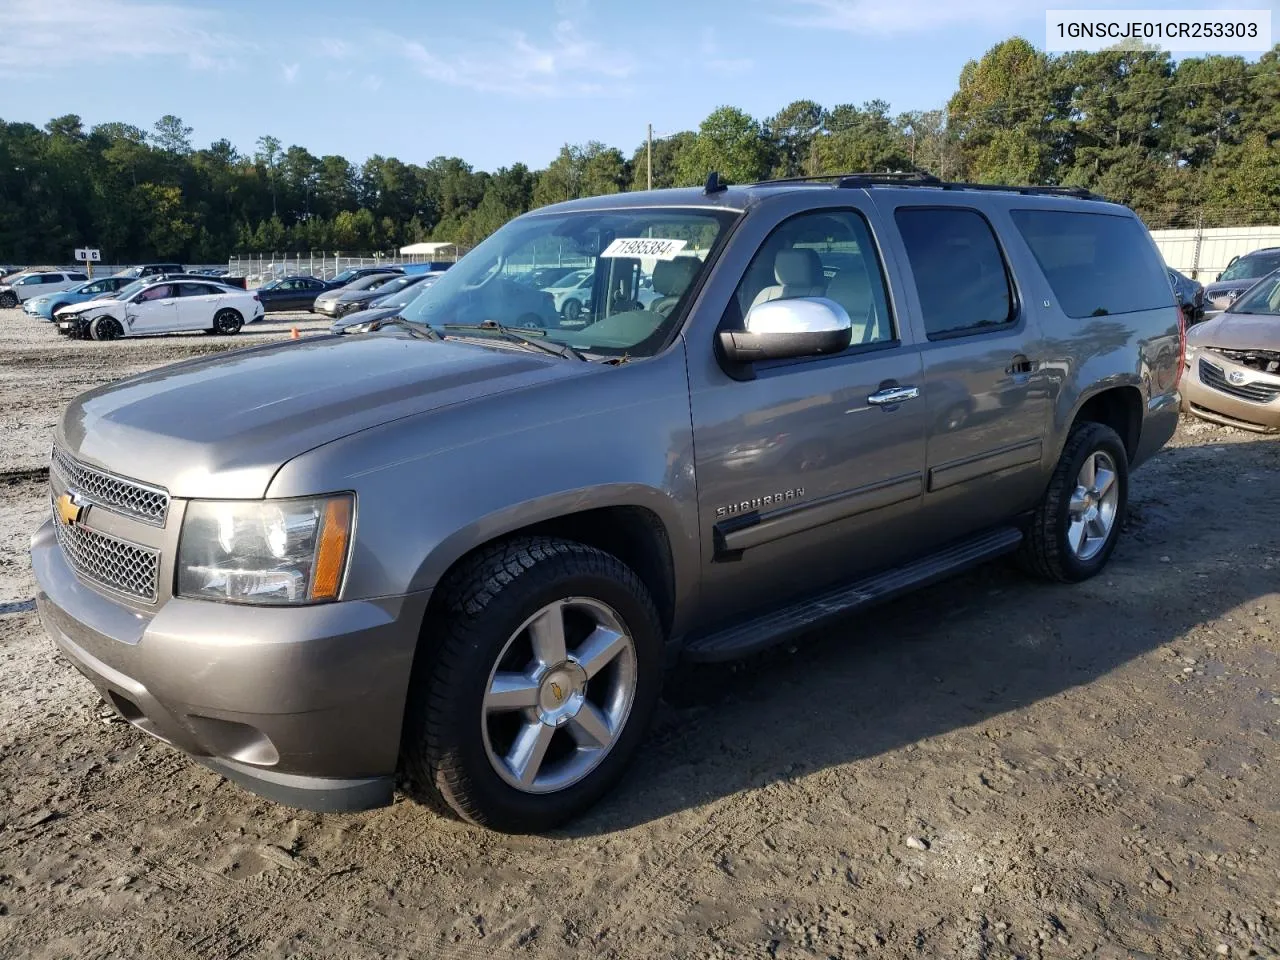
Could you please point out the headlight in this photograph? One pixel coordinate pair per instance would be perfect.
(265, 551)
(1192, 350)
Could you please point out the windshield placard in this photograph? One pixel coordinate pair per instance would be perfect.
(654, 247)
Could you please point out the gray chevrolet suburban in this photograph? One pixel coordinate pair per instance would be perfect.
(464, 547)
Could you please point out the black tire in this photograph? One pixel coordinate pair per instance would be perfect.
(529, 321)
(53, 312)
(227, 322)
(571, 310)
(484, 603)
(8, 299)
(105, 328)
(1045, 551)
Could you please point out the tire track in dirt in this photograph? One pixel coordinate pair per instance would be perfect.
(281, 913)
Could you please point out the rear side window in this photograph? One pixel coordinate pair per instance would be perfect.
(1097, 264)
(77, 276)
(194, 290)
(960, 274)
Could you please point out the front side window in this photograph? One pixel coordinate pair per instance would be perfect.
(604, 311)
(161, 292)
(829, 254)
(960, 274)
(1097, 264)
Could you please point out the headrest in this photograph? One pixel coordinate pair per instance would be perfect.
(672, 277)
(798, 268)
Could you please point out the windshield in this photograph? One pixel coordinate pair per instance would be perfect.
(1250, 268)
(345, 277)
(616, 249)
(1263, 298)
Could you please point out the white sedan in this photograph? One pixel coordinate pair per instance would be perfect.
(171, 306)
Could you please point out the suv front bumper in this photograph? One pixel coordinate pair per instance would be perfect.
(302, 705)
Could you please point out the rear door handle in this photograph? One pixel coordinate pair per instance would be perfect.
(892, 395)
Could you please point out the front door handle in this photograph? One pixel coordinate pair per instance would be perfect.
(1020, 365)
(892, 395)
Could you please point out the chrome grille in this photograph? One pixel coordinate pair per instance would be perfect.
(129, 497)
(1212, 376)
(108, 561)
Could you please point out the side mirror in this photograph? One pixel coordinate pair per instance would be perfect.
(784, 329)
(1217, 278)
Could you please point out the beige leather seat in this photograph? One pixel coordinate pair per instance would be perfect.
(799, 274)
(671, 278)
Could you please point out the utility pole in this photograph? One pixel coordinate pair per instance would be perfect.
(649, 156)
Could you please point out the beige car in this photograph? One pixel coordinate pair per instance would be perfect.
(1233, 362)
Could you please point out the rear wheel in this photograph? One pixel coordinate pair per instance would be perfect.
(227, 322)
(530, 321)
(1076, 526)
(106, 328)
(548, 668)
(571, 310)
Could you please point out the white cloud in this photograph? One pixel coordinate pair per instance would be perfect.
(911, 16)
(289, 71)
(566, 63)
(336, 49)
(713, 59)
(45, 35)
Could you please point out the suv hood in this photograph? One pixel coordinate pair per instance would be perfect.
(222, 426)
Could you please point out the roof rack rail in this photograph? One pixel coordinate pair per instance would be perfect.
(895, 176)
(919, 178)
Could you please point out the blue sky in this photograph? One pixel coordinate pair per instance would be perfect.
(491, 81)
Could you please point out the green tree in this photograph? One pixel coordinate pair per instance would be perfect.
(730, 142)
(172, 136)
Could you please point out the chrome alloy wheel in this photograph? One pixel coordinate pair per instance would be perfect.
(559, 695)
(1092, 511)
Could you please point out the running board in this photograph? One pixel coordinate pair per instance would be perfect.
(774, 627)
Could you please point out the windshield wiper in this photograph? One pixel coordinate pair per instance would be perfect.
(559, 349)
(420, 330)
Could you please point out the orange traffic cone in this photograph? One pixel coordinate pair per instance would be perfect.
(293, 334)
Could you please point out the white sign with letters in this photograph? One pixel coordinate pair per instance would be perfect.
(654, 247)
(88, 254)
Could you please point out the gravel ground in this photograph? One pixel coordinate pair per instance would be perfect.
(994, 768)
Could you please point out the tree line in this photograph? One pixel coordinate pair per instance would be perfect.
(1175, 140)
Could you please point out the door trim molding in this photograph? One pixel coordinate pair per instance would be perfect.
(992, 461)
(745, 531)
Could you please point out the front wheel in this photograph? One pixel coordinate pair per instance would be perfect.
(571, 310)
(106, 328)
(8, 299)
(227, 322)
(1076, 525)
(545, 674)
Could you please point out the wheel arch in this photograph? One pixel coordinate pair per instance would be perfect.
(1118, 407)
(634, 532)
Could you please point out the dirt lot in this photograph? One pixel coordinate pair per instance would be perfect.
(996, 768)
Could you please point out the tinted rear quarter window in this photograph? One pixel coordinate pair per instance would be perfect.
(960, 274)
(1097, 264)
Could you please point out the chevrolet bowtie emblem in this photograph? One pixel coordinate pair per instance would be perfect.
(557, 692)
(69, 511)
